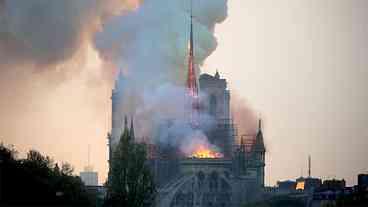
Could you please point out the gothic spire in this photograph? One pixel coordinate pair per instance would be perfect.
(125, 123)
(259, 137)
(120, 81)
(125, 132)
(259, 125)
(191, 29)
(192, 79)
(132, 136)
(242, 144)
(217, 75)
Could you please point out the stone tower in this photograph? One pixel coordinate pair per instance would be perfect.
(216, 96)
(259, 150)
(215, 105)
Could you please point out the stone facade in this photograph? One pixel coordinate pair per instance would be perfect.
(236, 178)
(216, 103)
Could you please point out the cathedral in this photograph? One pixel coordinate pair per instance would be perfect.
(230, 179)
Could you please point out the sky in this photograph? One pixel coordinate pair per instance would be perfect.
(302, 65)
(299, 64)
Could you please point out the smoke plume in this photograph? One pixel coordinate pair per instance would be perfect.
(58, 59)
(243, 115)
(150, 46)
(49, 32)
(54, 86)
(150, 43)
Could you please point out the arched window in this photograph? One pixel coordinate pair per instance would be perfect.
(200, 175)
(201, 179)
(213, 181)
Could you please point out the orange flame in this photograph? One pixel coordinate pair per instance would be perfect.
(205, 152)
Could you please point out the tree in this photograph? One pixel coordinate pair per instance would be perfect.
(130, 182)
(38, 164)
(57, 170)
(37, 180)
(7, 154)
(67, 169)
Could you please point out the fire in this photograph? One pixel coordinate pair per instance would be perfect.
(205, 152)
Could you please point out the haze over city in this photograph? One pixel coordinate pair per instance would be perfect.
(300, 65)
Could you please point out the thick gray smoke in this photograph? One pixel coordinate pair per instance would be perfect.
(49, 32)
(44, 32)
(150, 46)
(52, 81)
(50, 71)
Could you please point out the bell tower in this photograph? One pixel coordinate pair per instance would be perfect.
(259, 153)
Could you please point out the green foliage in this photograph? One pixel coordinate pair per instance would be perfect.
(130, 182)
(7, 154)
(38, 180)
(38, 159)
(37, 164)
(67, 169)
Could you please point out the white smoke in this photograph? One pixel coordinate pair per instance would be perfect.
(150, 46)
(150, 43)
